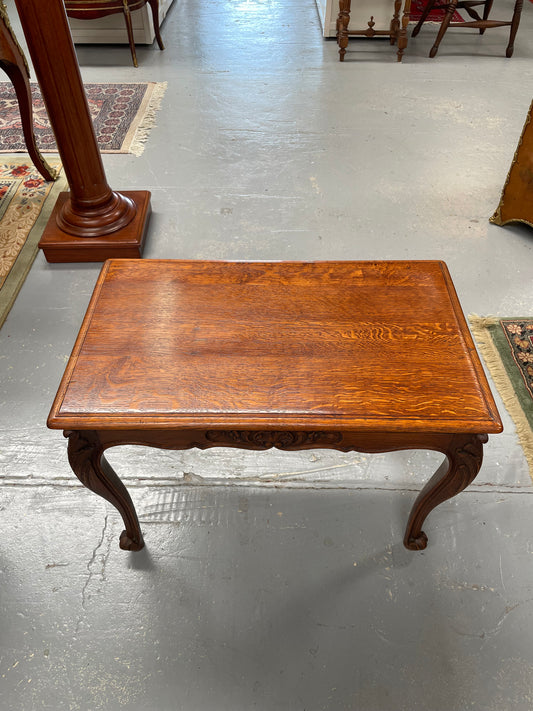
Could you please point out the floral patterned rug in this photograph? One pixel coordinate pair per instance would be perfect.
(122, 114)
(506, 345)
(26, 201)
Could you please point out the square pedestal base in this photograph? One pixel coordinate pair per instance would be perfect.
(127, 243)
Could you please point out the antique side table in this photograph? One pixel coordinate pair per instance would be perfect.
(366, 356)
(397, 32)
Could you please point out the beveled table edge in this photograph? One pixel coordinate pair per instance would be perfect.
(251, 421)
(199, 422)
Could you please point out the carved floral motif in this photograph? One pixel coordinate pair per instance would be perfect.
(466, 463)
(268, 439)
(82, 449)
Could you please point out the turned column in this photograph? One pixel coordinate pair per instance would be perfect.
(92, 222)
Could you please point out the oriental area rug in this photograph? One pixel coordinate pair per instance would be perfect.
(506, 345)
(122, 115)
(417, 6)
(26, 201)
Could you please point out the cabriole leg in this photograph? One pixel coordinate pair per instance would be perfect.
(464, 457)
(85, 454)
(154, 6)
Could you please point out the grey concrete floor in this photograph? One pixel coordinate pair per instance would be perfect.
(278, 580)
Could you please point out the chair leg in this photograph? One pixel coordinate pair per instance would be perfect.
(129, 28)
(154, 6)
(443, 26)
(486, 12)
(514, 27)
(425, 12)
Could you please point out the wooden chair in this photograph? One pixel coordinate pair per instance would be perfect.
(93, 9)
(482, 23)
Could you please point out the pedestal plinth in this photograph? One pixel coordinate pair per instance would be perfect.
(126, 243)
(92, 222)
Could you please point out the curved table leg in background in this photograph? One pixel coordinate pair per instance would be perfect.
(13, 62)
(463, 462)
(85, 454)
(154, 6)
(24, 99)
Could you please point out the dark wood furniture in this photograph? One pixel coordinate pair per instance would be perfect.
(366, 356)
(397, 31)
(13, 62)
(516, 203)
(93, 9)
(482, 23)
(92, 222)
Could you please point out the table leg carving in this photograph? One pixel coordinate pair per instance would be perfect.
(85, 454)
(402, 31)
(395, 22)
(464, 457)
(343, 20)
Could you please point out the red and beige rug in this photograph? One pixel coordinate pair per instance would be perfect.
(26, 201)
(417, 7)
(506, 345)
(122, 114)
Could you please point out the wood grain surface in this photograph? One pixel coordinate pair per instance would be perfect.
(364, 346)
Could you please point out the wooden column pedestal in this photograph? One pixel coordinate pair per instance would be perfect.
(92, 222)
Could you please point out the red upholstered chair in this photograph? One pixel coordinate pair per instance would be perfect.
(482, 23)
(92, 9)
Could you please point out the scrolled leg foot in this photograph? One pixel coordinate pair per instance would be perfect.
(417, 544)
(85, 454)
(128, 544)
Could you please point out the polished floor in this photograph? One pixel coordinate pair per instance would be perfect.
(278, 581)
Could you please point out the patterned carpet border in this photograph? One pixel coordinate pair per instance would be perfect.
(26, 202)
(506, 345)
(122, 114)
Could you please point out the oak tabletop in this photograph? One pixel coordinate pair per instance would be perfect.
(364, 346)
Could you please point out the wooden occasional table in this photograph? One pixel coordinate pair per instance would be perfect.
(366, 356)
(397, 31)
